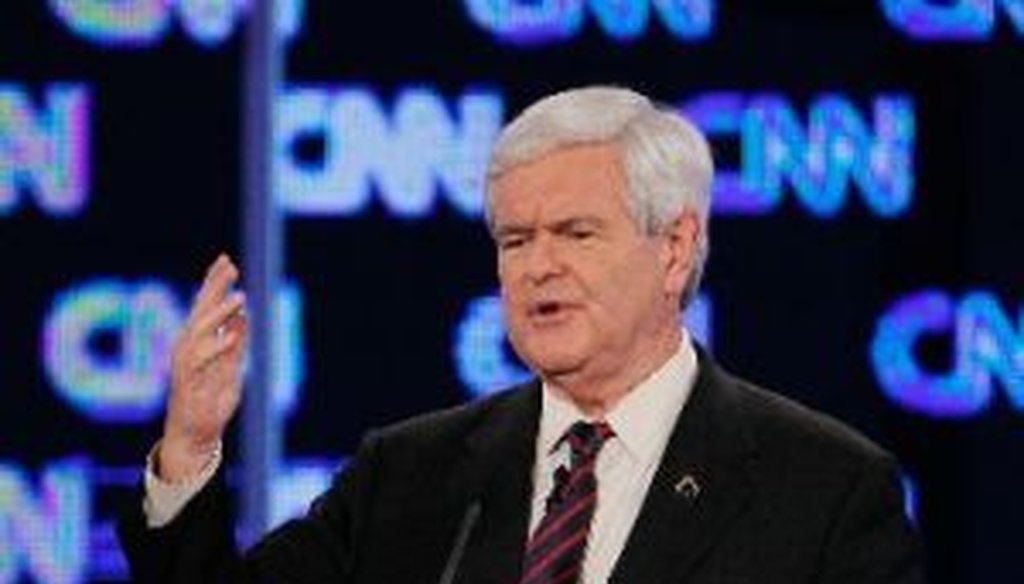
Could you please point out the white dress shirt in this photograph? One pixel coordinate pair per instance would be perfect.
(642, 421)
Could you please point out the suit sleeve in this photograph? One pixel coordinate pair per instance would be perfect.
(872, 541)
(198, 546)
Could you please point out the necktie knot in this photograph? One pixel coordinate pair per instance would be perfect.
(586, 439)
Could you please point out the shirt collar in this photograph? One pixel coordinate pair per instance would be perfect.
(643, 418)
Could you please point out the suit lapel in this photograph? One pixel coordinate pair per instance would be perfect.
(682, 519)
(501, 462)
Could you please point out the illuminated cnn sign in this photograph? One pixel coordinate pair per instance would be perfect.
(138, 23)
(44, 148)
(52, 533)
(107, 348)
(43, 530)
(342, 149)
(957, 20)
(412, 153)
(821, 157)
(987, 346)
(533, 22)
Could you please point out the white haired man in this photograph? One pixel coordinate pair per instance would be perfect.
(633, 458)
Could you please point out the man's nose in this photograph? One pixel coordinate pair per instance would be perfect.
(543, 260)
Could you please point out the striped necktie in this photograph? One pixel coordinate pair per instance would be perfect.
(554, 554)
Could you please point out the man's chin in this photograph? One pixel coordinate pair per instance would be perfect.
(552, 356)
(557, 366)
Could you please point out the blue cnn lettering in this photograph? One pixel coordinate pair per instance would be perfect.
(990, 346)
(484, 363)
(107, 348)
(987, 346)
(115, 22)
(526, 23)
(44, 533)
(820, 161)
(142, 23)
(45, 151)
(409, 155)
(960, 20)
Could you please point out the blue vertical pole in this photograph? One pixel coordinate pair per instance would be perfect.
(263, 238)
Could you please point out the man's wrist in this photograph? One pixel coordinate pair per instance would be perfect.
(164, 499)
(175, 462)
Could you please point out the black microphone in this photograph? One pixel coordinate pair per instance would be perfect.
(451, 567)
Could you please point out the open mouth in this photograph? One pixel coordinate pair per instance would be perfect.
(548, 310)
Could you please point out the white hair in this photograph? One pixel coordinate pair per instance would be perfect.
(666, 159)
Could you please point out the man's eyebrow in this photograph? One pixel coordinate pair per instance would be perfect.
(512, 229)
(575, 222)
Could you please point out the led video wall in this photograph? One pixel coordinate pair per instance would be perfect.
(866, 239)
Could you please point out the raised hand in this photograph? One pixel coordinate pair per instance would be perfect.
(206, 374)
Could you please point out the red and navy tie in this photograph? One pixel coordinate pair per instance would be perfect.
(554, 554)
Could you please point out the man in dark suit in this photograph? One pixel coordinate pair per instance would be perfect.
(633, 459)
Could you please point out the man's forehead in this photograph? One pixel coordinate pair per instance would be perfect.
(557, 204)
(567, 165)
(567, 184)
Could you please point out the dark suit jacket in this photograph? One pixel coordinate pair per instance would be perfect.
(785, 496)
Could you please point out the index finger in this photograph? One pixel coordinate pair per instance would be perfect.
(221, 276)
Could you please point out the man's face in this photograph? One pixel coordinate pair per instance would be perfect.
(585, 293)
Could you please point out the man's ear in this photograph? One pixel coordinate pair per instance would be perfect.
(681, 237)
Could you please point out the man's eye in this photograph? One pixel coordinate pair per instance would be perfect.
(511, 243)
(581, 234)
